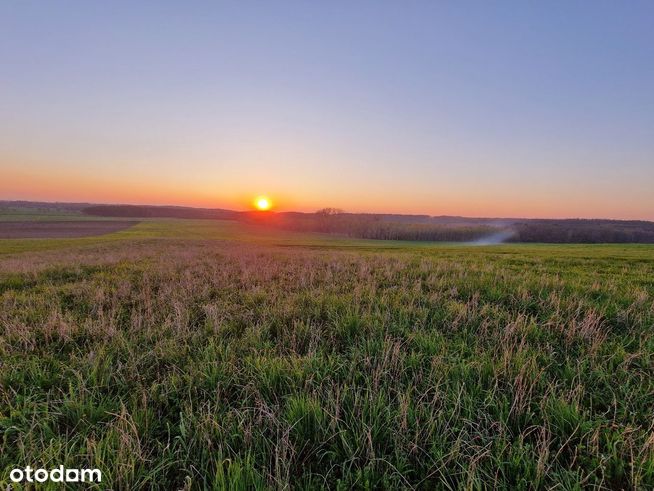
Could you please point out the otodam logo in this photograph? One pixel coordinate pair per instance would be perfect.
(58, 474)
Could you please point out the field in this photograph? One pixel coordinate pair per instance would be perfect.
(190, 354)
(57, 229)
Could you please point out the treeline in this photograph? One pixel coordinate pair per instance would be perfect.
(374, 227)
(458, 229)
(38, 206)
(147, 211)
(584, 231)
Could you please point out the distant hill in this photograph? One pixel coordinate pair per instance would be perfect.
(147, 211)
(385, 226)
(33, 206)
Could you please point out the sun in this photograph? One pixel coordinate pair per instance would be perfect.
(262, 203)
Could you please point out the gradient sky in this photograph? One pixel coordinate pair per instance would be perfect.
(461, 108)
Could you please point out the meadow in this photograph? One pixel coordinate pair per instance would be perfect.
(200, 354)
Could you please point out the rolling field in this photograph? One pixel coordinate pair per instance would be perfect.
(61, 229)
(189, 354)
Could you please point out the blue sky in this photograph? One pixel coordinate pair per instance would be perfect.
(471, 108)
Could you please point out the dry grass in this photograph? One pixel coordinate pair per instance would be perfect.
(190, 364)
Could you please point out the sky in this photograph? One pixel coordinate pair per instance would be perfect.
(499, 109)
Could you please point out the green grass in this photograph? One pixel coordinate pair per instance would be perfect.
(211, 355)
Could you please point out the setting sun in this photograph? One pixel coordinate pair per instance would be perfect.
(262, 203)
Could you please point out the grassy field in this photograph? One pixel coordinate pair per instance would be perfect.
(211, 355)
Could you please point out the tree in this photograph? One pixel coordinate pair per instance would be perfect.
(329, 211)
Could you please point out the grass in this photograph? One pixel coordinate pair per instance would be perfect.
(210, 355)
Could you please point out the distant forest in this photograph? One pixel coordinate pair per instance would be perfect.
(457, 229)
(412, 227)
(144, 211)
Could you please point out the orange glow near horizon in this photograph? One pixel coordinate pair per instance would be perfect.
(68, 185)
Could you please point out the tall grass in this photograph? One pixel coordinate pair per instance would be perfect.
(186, 364)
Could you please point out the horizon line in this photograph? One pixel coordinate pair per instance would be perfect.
(517, 217)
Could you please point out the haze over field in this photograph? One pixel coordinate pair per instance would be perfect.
(433, 108)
